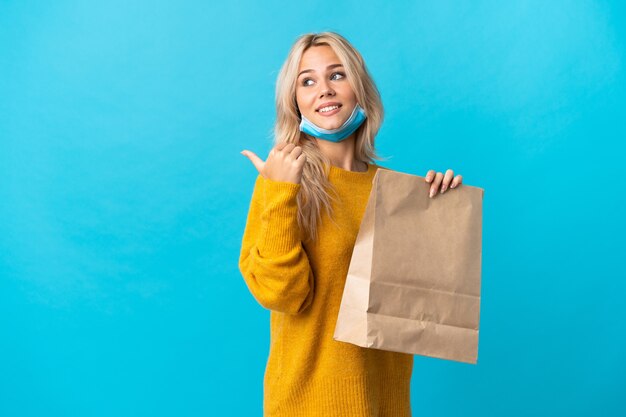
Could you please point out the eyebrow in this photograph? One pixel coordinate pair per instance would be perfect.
(327, 68)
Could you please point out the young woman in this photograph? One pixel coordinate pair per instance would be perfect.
(304, 216)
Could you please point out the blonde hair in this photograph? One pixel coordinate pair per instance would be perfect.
(315, 190)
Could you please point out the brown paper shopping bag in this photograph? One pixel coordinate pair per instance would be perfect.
(413, 283)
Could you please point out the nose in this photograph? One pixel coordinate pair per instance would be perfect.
(326, 90)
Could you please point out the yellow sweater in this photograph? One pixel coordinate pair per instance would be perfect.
(307, 372)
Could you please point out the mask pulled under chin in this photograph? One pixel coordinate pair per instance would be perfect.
(357, 117)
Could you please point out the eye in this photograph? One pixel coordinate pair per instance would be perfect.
(304, 82)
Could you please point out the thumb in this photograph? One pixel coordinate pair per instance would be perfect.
(256, 161)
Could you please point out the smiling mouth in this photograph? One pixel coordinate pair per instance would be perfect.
(329, 109)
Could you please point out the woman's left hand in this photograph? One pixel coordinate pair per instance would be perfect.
(442, 182)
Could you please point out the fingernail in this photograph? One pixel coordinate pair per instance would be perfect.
(453, 185)
(432, 192)
(443, 189)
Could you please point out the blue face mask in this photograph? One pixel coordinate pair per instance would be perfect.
(335, 135)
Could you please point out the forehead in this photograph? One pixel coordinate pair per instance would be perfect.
(318, 58)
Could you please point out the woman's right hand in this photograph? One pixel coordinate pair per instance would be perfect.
(285, 162)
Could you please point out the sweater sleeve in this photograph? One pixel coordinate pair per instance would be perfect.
(273, 261)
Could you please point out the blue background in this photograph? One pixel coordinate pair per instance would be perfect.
(123, 195)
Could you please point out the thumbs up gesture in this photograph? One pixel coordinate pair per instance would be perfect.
(285, 162)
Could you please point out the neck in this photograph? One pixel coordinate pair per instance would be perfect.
(341, 154)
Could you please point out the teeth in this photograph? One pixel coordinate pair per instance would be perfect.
(329, 108)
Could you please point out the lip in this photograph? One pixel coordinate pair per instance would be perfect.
(330, 103)
(330, 113)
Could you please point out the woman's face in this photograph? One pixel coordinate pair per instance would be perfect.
(322, 80)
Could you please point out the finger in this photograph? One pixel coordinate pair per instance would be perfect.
(456, 181)
(288, 148)
(446, 180)
(279, 146)
(297, 151)
(435, 185)
(430, 175)
(301, 159)
(256, 161)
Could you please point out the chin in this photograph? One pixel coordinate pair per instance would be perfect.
(329, 124)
